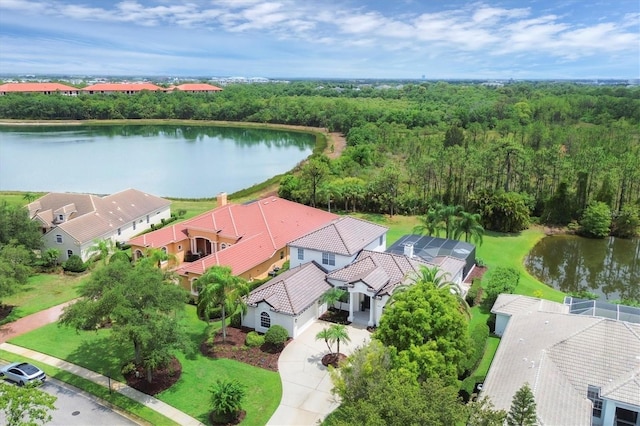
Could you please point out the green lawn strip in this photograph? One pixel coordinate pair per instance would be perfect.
(489, 352)
(42, 291)
(124, 403)
(94, 351)
(16, 198)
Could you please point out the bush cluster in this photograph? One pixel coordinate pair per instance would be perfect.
(474, 295)
(254, 340)
(74, 264)
(276, 335)
(478, 341)
(501, 280)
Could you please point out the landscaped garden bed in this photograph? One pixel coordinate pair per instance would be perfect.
(265, 356)
(163, 378)
(336, 316)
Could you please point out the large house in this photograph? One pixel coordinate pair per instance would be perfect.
(72, 223)
(41, 88)
(195, 88)
(249, 238)
(583, 369)
(126, 88)
(347, 253)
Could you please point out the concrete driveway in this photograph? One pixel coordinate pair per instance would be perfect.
(306, 384)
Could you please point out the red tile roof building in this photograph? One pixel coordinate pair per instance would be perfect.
(128, 88)
(249, 238)
(197, 88)
(45, 88)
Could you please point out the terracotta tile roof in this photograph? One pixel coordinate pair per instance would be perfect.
(196, 87)
(121, 87)
(293, 291)
(560, 355)
(345, 236)
(35, 87)
(380, 271)
(260, 229)
(93, 216)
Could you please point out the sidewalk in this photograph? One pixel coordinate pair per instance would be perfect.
(31, 322)
(151, 402)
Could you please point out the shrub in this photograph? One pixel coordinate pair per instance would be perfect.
(74, 264)
(254, 339)
(626, 224)
(475, 292)
(276, 335)
(596, 220)
(478, 340)
(226, 399)
(583, 294)
(501, 280)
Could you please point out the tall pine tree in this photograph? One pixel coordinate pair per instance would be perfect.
(523, 408)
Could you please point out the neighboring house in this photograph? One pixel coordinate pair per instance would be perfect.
(289, 300)
(435, 250)
(196, 88)
(127, 88)
(351, 250)
(249, 238)
(338, 243)
(582, 369)
(72, 223)
(43, 88)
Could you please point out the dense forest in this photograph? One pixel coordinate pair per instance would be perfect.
(545, 150)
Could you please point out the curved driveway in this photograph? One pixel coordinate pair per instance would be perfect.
(306, 384)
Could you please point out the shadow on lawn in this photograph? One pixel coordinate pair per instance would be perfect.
(103, 355)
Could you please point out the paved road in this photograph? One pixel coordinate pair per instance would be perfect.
(75, 408)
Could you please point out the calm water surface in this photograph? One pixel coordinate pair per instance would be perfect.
(177, 161)
(609, 267)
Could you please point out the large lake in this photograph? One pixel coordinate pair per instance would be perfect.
(608, 267)
(174, 161)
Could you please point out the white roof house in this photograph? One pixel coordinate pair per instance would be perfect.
(583, 370)
(350, 251)
(72, 222)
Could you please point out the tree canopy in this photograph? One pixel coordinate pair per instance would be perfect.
(25, 405)
(140, 305)
(428, 330)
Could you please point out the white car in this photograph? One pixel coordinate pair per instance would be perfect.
(22, 373)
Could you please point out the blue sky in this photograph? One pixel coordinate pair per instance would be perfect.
(537, 39)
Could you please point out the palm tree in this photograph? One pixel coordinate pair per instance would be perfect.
(338, 332)
(469, 225)
(332, 296)
(102, 248)
(325, 334)
(220, 289)
(431, 223)
(158, 256)
(440, 280)
(29, 197)
(448, 215)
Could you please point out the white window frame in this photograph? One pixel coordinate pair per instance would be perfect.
(300, 254)
(328, 259)
(265, 320)
(59, 239)
(593, 394)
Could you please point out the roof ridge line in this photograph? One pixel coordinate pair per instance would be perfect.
(266, 223)
(340, 235)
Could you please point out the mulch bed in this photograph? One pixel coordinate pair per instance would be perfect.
(333, 359)
(163, 378)
(241, 415)
(265, 356)
(477, 272)
(336, 316)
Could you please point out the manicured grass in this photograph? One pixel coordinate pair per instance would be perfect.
(17, 198)
(193, 208)
(487, 358)
(138, 410)
(398, 225)
(42, 291)
(510, 250)
(93, 350)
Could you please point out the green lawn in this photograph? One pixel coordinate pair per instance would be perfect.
(94, 350)
(17, 198)
(489, 353)
(42, 291)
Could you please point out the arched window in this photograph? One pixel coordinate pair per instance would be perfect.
(265, 320)
(137, 255)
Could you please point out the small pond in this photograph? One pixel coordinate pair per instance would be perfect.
(608, 267)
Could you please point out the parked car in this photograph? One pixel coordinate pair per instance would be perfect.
(22, 373)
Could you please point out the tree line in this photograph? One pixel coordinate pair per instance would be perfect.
(547, 150)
